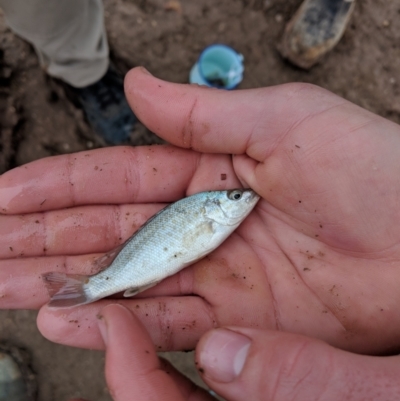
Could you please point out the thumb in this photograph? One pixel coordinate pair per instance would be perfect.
(218, 121)
(246, 364)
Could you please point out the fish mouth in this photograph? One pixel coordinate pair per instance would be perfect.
(252, 196)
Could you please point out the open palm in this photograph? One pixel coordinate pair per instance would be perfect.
(318, 256)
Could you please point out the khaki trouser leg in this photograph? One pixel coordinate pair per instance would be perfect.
(68, 35)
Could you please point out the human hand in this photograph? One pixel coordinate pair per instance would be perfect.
(318, 256)
(132, 367)
(242, 363)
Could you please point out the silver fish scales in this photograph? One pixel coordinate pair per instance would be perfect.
(174, 238)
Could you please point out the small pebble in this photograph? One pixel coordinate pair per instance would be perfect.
(12, 385)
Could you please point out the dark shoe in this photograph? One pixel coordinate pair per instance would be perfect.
(17, 383)
(106, 108)
(314, 30)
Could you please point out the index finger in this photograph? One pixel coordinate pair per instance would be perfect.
(117, 175)
(101, 176)
(132, 365)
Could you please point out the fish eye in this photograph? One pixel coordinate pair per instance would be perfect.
(235, 194)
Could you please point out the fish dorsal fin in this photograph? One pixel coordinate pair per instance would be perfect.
(105, 261)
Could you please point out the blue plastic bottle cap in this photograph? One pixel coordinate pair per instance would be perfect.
(219, 66)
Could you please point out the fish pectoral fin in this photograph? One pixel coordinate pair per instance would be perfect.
(130, 292)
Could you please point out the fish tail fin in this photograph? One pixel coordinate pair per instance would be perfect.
(65, 289)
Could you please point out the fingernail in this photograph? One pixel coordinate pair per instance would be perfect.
(102, 328)
(145, 71)
(8, 194)
(223, 355)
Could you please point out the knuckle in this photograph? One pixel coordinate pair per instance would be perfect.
(189, 127)
(305, 372)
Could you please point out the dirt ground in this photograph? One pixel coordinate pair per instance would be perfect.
(37, 120)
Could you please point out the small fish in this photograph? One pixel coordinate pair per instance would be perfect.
(177, 236)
